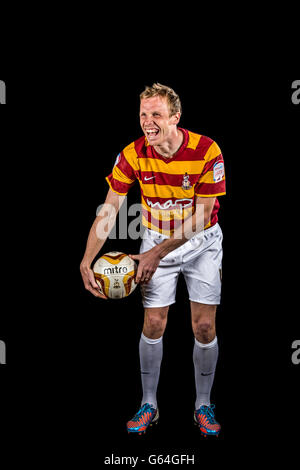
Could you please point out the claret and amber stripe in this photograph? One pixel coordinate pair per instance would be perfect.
(117, 186)
(166, 191)
(166, 227)
(160, 178)
(192, 167)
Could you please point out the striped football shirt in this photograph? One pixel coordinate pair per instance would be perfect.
(169, 186)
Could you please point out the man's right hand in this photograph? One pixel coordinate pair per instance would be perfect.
(99, 231)
(89, 281)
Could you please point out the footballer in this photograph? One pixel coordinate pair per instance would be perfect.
(181, 175)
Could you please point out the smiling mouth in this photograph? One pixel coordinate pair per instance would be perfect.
(151, 133)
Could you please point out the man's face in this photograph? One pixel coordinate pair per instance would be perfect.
(155, 119)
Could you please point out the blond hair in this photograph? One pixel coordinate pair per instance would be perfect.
(165, 92)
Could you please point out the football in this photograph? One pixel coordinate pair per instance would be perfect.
(114, 273)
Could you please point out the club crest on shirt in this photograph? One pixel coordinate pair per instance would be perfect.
(186, 184)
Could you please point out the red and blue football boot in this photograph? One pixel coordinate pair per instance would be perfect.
(146, 416)
(204, 417)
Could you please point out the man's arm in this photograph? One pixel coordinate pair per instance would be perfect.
(149, 261)
(192, 226)
(99, 232)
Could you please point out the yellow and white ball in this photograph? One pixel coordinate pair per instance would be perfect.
(114, 273)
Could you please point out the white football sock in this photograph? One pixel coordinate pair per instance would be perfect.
(151, 351)
(205, 358)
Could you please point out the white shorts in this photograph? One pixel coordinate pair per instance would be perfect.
(200, 262)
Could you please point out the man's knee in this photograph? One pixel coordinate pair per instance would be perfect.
(203, 322)
(204, 331)
(155, 322)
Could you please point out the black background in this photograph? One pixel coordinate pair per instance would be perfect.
(72, 373)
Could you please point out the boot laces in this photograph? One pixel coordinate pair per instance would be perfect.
(208, 411)
(145, 407)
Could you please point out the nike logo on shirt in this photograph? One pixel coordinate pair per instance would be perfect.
(150, 178)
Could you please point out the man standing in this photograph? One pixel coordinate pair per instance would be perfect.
(181, 174)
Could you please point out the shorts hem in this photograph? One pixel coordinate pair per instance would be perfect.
(158, 306)
(205, 302)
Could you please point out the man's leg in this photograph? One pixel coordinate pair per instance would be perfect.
(205, 353)
(205, 359)
(151, 350)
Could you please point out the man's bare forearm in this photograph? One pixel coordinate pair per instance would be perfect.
(191, 226)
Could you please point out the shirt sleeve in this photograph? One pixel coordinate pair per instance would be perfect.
(212, 179)
(122, 177)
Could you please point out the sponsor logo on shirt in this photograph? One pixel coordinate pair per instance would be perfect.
(218, 172)
(178, 203)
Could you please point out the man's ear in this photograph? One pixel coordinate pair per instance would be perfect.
(175, 118)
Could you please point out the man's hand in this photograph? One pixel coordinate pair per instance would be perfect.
(89, 281)
(148, 263)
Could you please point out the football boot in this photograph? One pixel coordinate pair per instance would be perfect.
(146, 416)
(204, 417)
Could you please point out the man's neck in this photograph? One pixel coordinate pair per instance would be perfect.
(171, 145)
